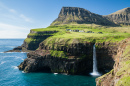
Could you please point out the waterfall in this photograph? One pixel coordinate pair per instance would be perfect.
(95, 70)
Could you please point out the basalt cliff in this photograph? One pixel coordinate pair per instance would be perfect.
(66, 46)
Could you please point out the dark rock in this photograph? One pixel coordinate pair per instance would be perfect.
(67, 29)
(119, 75)
(89, 32)
(41, 61)
(18, 48)
(35, 63)
(100, 32)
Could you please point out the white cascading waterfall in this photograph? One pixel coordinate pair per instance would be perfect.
(95, 70)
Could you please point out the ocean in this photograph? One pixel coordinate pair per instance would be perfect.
(10, 75)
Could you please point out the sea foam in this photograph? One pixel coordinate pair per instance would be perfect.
(2, 62)
(14, 67)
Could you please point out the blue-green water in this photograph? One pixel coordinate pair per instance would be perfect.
(11, 76)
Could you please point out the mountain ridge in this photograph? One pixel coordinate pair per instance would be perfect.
(77, 15)
(120, 17)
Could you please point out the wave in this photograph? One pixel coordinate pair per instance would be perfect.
(55, 73)
(8, 56)
(16, 57)
(10, 46)
(19, 58)
(23, 72)
(15, 52)
(14, 67)
(24, 52)
(11, 52)
(1, 52)
(2, 62)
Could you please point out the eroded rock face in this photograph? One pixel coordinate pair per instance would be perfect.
(120, 74)
(35, 63)
(82, 61)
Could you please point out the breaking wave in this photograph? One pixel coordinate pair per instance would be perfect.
(2, 62)
(14, 67)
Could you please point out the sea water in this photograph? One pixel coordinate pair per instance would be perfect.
(10, 75)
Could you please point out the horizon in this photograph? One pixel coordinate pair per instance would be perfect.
(19, 17)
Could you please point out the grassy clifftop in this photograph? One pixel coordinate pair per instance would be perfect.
(112, 34)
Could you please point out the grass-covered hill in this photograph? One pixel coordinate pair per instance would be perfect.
(87, 32)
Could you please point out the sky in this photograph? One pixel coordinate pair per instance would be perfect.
(17, 17)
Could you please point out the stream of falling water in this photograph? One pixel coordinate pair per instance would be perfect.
(95, 70)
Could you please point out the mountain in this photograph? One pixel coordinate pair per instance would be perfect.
(120, 17)
(78, 15)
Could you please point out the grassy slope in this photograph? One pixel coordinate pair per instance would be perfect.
(113, 34)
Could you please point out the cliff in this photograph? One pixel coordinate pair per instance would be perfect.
(120, 17)
(74, 58)
(75, 15)
(120, 74)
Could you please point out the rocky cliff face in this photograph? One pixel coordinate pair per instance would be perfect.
(120, 17)
(120, 74)
(77, 15)
(79, 58)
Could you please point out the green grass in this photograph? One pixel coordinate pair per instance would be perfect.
(60, 54)
(29, 40)
(110, 34)
(124, 81)
(125, 67)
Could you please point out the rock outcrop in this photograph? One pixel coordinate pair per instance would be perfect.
(79, 58)
(120, 17)
(120, 74)
(77, 15)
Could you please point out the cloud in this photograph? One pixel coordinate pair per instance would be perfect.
(12, 31)
(18, 15)
(12, 27)
(12, 11)
(25, 18)
(12, 23)
(12, 34)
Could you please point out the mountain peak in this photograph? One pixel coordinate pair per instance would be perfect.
(76, 15)
(122, 11)
(120, 17)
